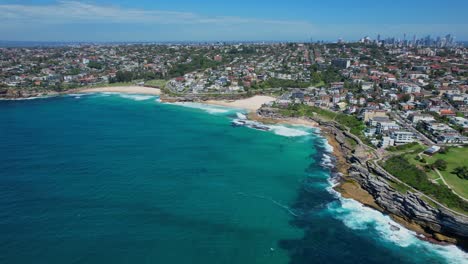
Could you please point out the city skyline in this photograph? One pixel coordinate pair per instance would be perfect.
(127, 21)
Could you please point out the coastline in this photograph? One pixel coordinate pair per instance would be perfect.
(251, 104)
(285, 120)
(351, 188)
(20, 94)
(348, 187)
(119, 89)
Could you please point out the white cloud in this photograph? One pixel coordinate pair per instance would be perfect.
(80, 12)
(54, 21)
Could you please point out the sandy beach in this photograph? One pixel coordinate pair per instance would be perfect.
(122, 89)
(251, 104)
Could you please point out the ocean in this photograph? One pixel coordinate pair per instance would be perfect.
(115, 178)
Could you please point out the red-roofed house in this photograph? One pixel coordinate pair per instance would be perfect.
(447, 112)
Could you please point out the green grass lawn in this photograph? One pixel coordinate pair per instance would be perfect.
(320, 84)
(456, 157)
(408, 148)
(401, 167)
(160, 83)
(411, 159)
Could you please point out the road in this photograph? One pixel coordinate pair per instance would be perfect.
(373, 162)
(427, 141)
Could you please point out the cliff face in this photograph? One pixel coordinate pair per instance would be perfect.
(411, 207)
(14, 93)
(437, 222)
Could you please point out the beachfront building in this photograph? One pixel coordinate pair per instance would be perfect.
(370, 114)
(386, 142)
(403, 137)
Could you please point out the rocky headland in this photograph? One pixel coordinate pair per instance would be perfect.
(362, 180)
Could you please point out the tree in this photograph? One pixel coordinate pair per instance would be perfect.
(444, 150)
(405, 98)
(440, 164)
(95, 65)
(124, 76)
(461, 172)
(316, 77)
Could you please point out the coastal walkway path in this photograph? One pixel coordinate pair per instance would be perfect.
(372, 162)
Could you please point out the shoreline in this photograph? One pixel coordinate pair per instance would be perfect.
(285, 121)
(118, 89)
(350, 189)
(251, 104)
(347, 187)
(38, 94)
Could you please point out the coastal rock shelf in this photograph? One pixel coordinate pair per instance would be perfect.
(9, 93)
(412, 208)
(407, 207)
(374, 189)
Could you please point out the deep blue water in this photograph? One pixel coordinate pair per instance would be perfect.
(125, 179)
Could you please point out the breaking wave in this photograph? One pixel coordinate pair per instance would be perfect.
(327, 161)
(288, 131)
(327, 147)
(211, 109)
(359, 217)
(27, 98)
(137, 97)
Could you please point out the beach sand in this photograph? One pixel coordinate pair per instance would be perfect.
(251, 104)
(122, 89)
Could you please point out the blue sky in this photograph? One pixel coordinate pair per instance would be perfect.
(208, 20)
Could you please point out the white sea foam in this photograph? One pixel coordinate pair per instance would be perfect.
(211, 109)
(327, 161)
(288, 131)
(328, 148)
(27, 98)
(359, 217)
(76, 94)
(241, 116)
(137, 97)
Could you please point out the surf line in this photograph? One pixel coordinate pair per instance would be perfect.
(288, 209)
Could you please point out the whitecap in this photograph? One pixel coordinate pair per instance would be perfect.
(241, 116)
(27, 98)
(137, 97)
(207, 108)
(327, 161)
(288, 131)
(359, 217)
(328, 148)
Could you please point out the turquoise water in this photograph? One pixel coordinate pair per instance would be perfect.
(109, 178)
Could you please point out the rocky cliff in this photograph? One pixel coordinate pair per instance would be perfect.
(16, 93)
(368, 185)
(435, 220)
(417, 213)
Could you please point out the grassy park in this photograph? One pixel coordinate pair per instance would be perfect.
(159, 83)
(454, 157)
